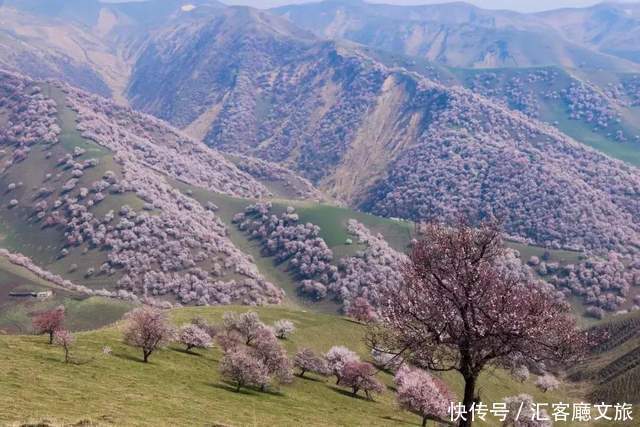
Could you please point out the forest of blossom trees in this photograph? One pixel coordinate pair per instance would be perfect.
(173, 246)
(311, 261)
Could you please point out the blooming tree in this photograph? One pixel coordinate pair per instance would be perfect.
(64, 339)
(423, 394)
(455, 310)
(283, 328)
(337, 357)
(247, 325)
(520, 373)
(266, 349)
(306, 360)
(361, 310)
(193, 336)
(49, 322)
(547, 382)
(148, 329)
(242, 369)
(361, 376)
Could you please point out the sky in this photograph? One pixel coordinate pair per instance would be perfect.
(518, 5)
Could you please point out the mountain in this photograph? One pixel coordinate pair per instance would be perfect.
(95, 182)
(397, 141)
(354, 126)
(462, 35)
(183, 72)
(612, 28)
(86, 43)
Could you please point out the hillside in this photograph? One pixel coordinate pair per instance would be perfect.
(390, 141)
(83, 312)
(186, 388)
(356, 128)
(614, 367)
(90, 182)
(595, 108)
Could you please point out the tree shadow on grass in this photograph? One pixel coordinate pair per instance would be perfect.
(348, 319)
(395, 420)
(187, 352)
(312, 379)
(248, 391)
(232, 389)
(349, 394)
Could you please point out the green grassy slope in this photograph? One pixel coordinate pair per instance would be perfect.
(331, 219)
(82, 312)
(177, 388)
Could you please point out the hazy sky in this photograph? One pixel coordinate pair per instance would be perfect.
(519, 5)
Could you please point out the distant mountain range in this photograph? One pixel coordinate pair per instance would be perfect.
(462, 35)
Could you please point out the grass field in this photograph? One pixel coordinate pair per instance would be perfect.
(82, 312)
(177, 388)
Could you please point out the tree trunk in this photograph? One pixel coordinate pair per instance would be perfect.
(145, 356)
(424, 421)
(302, 371)
(66, 355)
(469, 399)
(50, 337)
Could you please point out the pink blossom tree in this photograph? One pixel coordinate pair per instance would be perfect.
(547, 382)
(243, 369)
(49, 322)
(64, 339)
(272, 355)
(423, 394)
(148, 329)
(247, 325)
(337, 357)
(361, 376)
(192, 336)
(306, 360)
(283, 328)
(520, 373)
(361, 310)
(455, 310)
